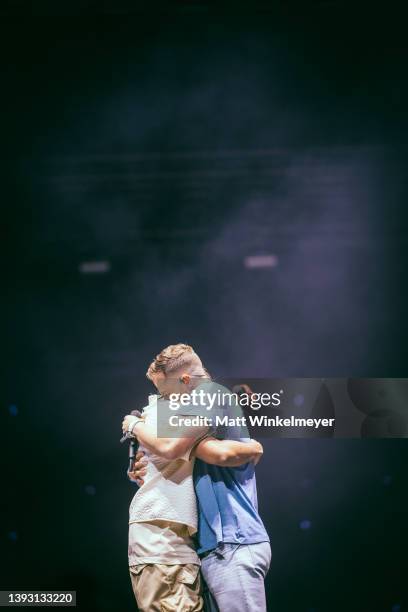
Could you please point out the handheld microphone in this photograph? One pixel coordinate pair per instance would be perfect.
(132, 454)
(133, 446)
(127, 435)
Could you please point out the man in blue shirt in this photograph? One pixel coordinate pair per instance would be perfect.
(232, 541)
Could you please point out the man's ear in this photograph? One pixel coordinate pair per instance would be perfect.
(185, 379)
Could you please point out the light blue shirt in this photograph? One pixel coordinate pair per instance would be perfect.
(227, 505)
(227, 497)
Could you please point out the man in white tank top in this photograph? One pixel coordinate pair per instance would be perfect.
(163, 563)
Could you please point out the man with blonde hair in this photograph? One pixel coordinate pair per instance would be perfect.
(163, 519)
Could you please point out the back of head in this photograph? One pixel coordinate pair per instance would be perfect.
(177, 359)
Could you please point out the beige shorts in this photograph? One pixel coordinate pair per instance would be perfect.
(167, 588)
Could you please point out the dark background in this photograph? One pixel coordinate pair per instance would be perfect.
(173, 140)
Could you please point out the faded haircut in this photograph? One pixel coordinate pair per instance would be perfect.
(174, 358)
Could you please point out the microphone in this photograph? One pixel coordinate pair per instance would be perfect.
(133, 446)
(127, 435)
(132, 454)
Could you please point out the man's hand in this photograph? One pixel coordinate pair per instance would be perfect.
(138, 468)
(128, 420)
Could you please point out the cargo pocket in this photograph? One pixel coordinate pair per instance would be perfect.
(185, 591)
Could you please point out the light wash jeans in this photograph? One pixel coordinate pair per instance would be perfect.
(234, 575)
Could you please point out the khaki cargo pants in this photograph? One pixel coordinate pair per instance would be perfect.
(167, 588)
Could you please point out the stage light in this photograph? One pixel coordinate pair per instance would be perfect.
(260, 261)
(305, 524)
(13, 410)
(90, 490)
(94, 267)
(13, 536)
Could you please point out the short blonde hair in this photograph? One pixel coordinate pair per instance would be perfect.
(173, 358)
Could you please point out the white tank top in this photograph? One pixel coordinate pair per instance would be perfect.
(168, 489)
